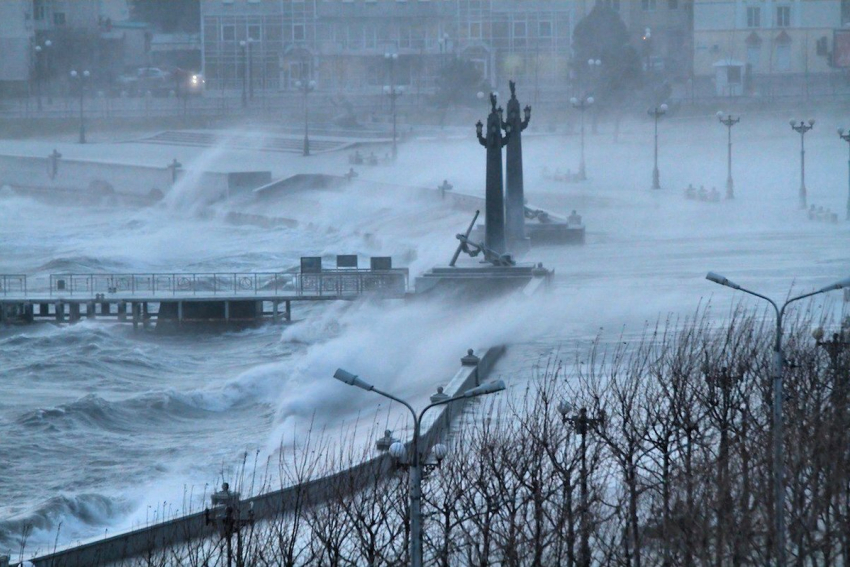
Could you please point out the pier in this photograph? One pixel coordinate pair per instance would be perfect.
(176, 300)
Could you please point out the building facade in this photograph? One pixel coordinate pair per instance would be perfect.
(342, 44)
(742, 44)
(16, 33)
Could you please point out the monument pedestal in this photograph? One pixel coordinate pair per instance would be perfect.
(483, 280)
(542, 234)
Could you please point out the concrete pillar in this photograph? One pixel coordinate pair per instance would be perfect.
(90, 310)
(179, 313)
(288, 313)
(226, 310)
(515, 191)
(104, 308)
(494, 209)
(43, 309)
(122, 311)
(135, 308)
(59, 309)
(29, 312)
(275, 316)
(146, 316)
(75, 312)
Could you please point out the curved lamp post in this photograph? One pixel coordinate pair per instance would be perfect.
(729, 121)
(81, 80)
(778, 425)
(801, 128)
(656, 113)
(846, 138)
(581, 106)
(416, 462)
(306, 87)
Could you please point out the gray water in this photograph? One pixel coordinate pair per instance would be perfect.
(103, 428)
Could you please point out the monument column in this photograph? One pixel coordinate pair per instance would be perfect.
(494, 210)
(515, 192)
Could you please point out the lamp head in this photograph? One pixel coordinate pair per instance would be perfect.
(479, 128)
(574, 101)
(792, 123)
(440, 451)
(298, 84)
(817, 333)
(811, 122)
(38, 49)
(480, 95)
(48, 43)
(590, 100)
(397, 451)
(86, 74)
(74, 73)
(722, 280)
(527, 112)
(565, 408)
(598, 62)
(719, 115)
(352, 379)
(663, 108)
(837, 285)
(483, 389)
(312, 84)
(591, 62)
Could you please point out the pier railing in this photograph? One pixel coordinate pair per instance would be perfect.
(327, 283)
(254, 283)
(13, 283)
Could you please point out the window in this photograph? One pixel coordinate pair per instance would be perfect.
(59, 18)
(647, 5)
(298, 32)
(228, 33)
(519, 29)
(783, 16)
(475, 30)
(545, 29)
(753, 17)
(40, 10)
(783, 57)
(255, 32)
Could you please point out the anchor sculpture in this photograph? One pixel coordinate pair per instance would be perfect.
(473, 249)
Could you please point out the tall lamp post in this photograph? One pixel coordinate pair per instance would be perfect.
(393, 92)
(729, 121)
(801, 128)
(778, 397)
(846, 138)
(581, 106)
(656, 113)
(245, 46)
(38, 71)
(306, 87)
(416, 463)
(582, 425)
(81, 79)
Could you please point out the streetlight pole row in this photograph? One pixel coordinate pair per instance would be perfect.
(582, 425)
(778, 396)
(729, 121)
(801, 128)
(656, 113)
(306, 87)
(394, 93)
(81, 79)
(846, 138)
(581, 106)
(398, 450)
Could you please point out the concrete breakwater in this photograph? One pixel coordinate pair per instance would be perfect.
(54, 175)
(193, 527)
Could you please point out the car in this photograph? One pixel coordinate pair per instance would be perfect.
(144, 80)
(188, 83)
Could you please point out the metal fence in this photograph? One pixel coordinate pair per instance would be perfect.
(328, 283)
(266, 283)
(13, 283)
(345, 282)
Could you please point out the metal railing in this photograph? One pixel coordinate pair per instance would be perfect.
(13, 283)
(346, 282)
(254, 283)
(327, 283)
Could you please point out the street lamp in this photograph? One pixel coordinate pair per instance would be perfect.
(846, 138)
(656, 113)
(306, 87)
(81, 79)
(801, 128)
(247, 80)
(399, 451)
(582, 425)
(729, 121)
(647, 43)
(226, 514)
(778, 425)
(444, 48)
(47, 69)
(581, 106)
(393, 92)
